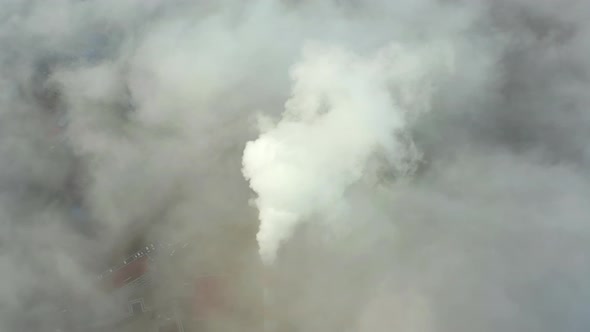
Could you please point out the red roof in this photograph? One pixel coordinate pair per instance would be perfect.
(130, 272)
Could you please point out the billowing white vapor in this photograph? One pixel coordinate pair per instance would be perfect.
(343, 109)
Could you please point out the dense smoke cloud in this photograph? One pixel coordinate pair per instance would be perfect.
(340, 114)
(438, 184)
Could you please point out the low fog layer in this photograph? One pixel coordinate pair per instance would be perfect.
(409, 165)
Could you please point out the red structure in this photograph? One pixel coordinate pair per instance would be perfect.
(130, 272)
(209, 297)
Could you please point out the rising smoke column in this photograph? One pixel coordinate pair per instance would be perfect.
(344, 108)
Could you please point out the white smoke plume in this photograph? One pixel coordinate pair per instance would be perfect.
(341, 113)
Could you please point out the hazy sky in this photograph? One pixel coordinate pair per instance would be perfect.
(430, 155)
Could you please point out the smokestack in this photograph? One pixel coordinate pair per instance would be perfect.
(341, 115)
